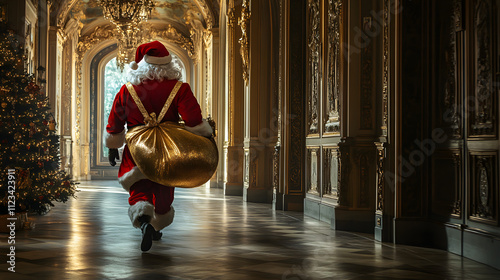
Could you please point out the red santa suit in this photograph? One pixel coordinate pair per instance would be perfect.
(147, 197)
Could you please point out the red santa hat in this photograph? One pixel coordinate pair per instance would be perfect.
(153, 52)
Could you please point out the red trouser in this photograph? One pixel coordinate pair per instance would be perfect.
(159, 195)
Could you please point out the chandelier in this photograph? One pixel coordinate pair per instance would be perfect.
(126, 15)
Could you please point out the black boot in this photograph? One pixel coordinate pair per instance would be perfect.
(147, 233)
(157, 235)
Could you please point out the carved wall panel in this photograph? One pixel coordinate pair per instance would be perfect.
(379, 207)
(276, 167)
(482, 107)
(483, 187)
(66, 93)
(331, 109)
(313, 169)
(295, 117)
(330, 172)
(244, 23)
(314, 39)
(449, 87)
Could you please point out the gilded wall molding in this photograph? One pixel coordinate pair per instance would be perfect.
(330, 172)
(314, 64)
(313, 171)
(385, 75)
(484, 188)
(457, 205)
(207, 14)
(244, 23)
(231, 18)
(332, 103)
(379, 207)
(171, 34)
(451, 99)
(68, 5)
(276, 167)
(483, 119)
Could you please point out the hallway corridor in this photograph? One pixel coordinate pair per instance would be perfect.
(213, 237)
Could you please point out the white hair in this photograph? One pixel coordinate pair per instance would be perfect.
(159, 72)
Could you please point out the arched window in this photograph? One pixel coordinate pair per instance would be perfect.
(113, 81)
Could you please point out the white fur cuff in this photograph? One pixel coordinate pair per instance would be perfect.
(161, 221)
(157, 59)
(139, 209)
(203, 129)
(114, 140)
(129, 178)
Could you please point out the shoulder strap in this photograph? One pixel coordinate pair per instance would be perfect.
(169, 100)
(137, 100)
(164, 110)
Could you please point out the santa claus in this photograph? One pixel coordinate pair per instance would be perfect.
(153, 75)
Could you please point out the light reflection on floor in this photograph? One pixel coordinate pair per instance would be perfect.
(212, 237)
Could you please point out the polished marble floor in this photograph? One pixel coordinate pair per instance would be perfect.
(212, 237)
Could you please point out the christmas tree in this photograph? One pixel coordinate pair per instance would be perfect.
(30, 175)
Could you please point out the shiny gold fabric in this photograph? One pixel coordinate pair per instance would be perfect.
(167, 153)
(170, 155)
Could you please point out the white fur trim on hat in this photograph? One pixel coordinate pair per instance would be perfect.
(203, 129)
(157, 59)
(161, 221)
(138, 209)
(114, 140)
(129, 178)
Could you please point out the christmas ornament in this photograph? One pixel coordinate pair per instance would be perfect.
(18, 136)
(4, 105)
(52, 125)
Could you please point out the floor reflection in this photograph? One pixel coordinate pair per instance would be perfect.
(213, 237)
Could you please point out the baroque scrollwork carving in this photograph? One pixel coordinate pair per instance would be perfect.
(380, 179)
(172, 35)
(66, 94)
(483, 117)
(312, 155)
(330, 172)
(385, 74)
(332, 117)
(457, 204)
(210, 19)
(314, 74)
(276, 167)
(484, 189)
(231, 17)
(244, 23)
(451, 99)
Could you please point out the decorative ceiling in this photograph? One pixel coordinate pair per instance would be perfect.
(181, 13)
